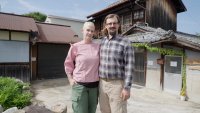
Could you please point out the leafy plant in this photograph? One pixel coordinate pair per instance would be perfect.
(12, 93)
(183, 90)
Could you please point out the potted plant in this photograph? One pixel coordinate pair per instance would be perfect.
(183, 94)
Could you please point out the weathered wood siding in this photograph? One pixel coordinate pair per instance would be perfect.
(34, 61)
(161, 13)
(20, 71)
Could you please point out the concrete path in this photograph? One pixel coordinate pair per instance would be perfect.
(143, 100)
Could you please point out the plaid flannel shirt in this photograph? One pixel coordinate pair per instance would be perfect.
(117, 59)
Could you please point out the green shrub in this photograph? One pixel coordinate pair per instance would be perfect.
(12, 93)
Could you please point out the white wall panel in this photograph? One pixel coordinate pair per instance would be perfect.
(4, 35)
(20, 36)
(13, 51)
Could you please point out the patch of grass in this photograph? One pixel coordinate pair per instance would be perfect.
(12, 93)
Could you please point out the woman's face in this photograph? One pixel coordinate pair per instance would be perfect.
(88, 32)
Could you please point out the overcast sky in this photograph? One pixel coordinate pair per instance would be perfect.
(188, 22)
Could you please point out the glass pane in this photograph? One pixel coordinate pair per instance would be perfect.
(173, 64)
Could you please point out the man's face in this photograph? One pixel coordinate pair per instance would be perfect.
(112, 26)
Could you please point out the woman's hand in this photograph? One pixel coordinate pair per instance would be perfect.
(72, 81)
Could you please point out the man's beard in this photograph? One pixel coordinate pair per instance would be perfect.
(113, 33)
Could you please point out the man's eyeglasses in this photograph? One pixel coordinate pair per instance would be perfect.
(114, 23)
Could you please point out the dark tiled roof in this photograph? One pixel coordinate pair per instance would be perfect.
(51, 33)
(17, 23)
(188, 38)
(153, 35)
(150, 35)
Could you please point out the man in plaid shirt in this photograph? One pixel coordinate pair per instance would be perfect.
(116, 68)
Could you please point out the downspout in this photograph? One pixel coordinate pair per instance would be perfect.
(136, 2)
(131, 11)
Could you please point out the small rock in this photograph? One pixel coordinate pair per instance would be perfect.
(59, 108)
(11, 110)
(37, 109)
(1, 109)
(20, 111)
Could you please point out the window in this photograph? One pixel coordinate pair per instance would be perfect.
(173, 64)
(126, 21)
(138, 15)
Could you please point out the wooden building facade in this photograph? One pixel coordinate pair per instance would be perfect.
(155, 13)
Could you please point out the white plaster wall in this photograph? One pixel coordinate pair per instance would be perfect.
(19, 36)
(4, 35)
(193, 78)
(153, 72)
(75, 25)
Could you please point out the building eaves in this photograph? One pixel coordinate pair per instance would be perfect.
(113, 5)
(180, 7)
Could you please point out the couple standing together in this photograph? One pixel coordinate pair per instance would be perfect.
(103, 71)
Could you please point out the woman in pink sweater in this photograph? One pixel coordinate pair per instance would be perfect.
(81, 67)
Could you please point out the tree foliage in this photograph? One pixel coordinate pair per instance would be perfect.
(37, 16)
(198, 34)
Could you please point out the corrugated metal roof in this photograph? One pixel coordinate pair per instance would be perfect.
(17, 22)
(52, 33)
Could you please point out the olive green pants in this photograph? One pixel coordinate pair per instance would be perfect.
(84, 100)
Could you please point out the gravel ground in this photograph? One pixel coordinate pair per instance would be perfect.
(143, 100)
